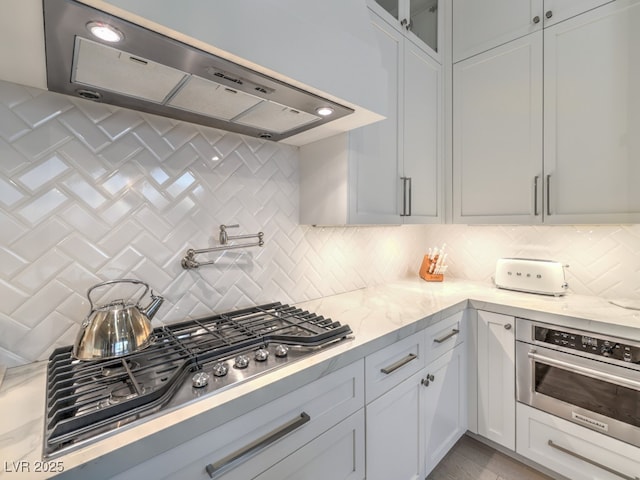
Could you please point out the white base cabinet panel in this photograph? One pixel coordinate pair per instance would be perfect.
(326, 401)
(444, 405)
(496, 378)
(389, 366)
(574, 451)
(337, 454)
(394, 433)
(443, 336)
(412, 426)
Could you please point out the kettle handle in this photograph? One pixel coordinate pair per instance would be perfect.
(111, 282)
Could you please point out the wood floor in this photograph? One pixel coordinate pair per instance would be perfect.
(470, 459)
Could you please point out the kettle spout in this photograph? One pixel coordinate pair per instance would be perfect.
(154, 306)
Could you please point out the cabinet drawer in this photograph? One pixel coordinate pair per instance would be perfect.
(337, 454)
(572, 450)
(444, 335)
(274, 430)
(388, 367)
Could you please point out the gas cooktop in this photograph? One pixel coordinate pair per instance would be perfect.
(186, 361)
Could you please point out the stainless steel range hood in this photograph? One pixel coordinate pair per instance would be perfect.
(153, 73)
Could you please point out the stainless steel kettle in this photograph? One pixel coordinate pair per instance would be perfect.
(117, 328)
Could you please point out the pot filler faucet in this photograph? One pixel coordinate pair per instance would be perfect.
(189, 260)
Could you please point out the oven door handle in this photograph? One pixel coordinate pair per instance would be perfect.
(589, 372)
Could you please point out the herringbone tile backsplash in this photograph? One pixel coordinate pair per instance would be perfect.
(91, 193)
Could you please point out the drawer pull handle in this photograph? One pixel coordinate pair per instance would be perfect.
(400, 363)
(214, 469)
(453, 332)
(591, 462)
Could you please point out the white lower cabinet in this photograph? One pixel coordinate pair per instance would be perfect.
(394, 433)
(275, 440)
(337, 454)
(444, 405)
(415, 423)
(574, 451)
(496, 378)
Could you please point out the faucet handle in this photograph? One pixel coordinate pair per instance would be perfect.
(224, 238)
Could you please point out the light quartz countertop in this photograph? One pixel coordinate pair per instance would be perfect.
(378, 316)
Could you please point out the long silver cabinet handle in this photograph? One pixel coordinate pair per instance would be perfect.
(214, 469)
(409, 178)
(400, 363)
(535, 195)
(590, 462)
(453, 332)
(605, 377)
(548, 195)
(404, 196)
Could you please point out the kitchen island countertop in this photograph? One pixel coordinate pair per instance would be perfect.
(378, 315)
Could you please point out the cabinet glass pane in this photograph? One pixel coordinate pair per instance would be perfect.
(390, 6)
(424, 21)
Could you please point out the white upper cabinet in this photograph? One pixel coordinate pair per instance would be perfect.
(374, 172)
(482, 25)
(390, 172)
(419, 20)
(588, 169)
(592, 117)
(497, 149)
(422, 149)
(556, 11)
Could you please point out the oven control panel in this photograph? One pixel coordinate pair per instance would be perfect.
(616, 349)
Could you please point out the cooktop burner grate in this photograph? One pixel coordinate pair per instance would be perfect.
(88, 398)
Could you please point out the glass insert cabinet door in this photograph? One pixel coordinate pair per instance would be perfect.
(391, 6)
(417, 16)
(423, 21)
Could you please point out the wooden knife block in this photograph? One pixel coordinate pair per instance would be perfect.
(426, 266)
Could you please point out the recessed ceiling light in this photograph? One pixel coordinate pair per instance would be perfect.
(105, 32)
(324, 111)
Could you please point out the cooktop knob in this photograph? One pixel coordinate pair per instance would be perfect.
(220, 369)
(607, 349)
(241, 361)
(200, 379)
(282, 351)
(261, 354)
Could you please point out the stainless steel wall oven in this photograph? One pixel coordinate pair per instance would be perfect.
(587, 378)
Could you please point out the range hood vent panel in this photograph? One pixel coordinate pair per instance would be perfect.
(276, 118)
(99, 66)
(153, 73)
(202, 96)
